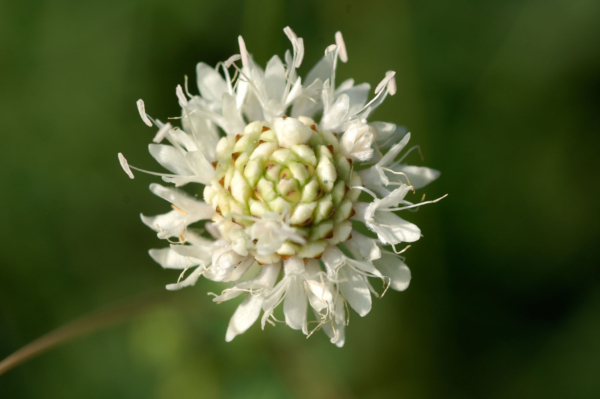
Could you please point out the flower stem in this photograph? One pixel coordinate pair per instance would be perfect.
(89, 323)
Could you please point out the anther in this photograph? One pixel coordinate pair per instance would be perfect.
(265, 128)
(178, 209)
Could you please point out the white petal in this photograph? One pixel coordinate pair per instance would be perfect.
(232, 121)
(201, 168)
(371, 179)
(395, 197)
(363, 247)
(339, 323)
(245, 315)
(194, 253)
(210, 83)
(356, 142)
(293, 266)
(197, 210)
(388, 134)
(355, 290)
(272, 300)
(171, 223)
(393, 267)
(321, 71)
(290, 131)
(169, 259)
(392, 229)
(189, 281)
(170, 158)
(239, 271)
(333, 258)
(358, 96)
(336, 115)
(309, 103)
(393, 153)
(275, 79)
(294, 305)
(419, 176)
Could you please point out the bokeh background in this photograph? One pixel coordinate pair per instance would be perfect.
(502, 96)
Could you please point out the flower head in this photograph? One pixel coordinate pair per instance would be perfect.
(279, 193)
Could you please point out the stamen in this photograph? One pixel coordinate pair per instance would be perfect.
(391, 86)
(366, 190)
(181, 97)
(178, 209)
(330, 49)
(162, 132)
(415, 205)
(142, 110)
(339, 40)
(243, 51)
(186, 86)
(399, 252)
(402, 174)
(417, 147)
(388, 76)
(125, 165)
(300, 56)
(231, 60)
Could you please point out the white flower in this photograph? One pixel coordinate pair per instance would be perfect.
(291, 291)
(271, 190)
(356, 142)
(380, 218)
(249, 310)
(376, 179)
(271, 232)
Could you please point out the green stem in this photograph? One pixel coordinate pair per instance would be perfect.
(84, 325)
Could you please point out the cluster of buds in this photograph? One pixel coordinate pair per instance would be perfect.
(282, 192)
(287, 185)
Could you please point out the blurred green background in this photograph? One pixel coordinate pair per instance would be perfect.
(503, 97)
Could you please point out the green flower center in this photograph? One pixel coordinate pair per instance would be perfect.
(310, 183)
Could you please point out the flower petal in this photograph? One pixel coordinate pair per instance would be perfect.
(294, 305)
(363, 247)
(393, 267)
(419, 176)
(210, 83)
(169, 259)
(243, 318)
(170, 158)
(189, 281)
(356, 291)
